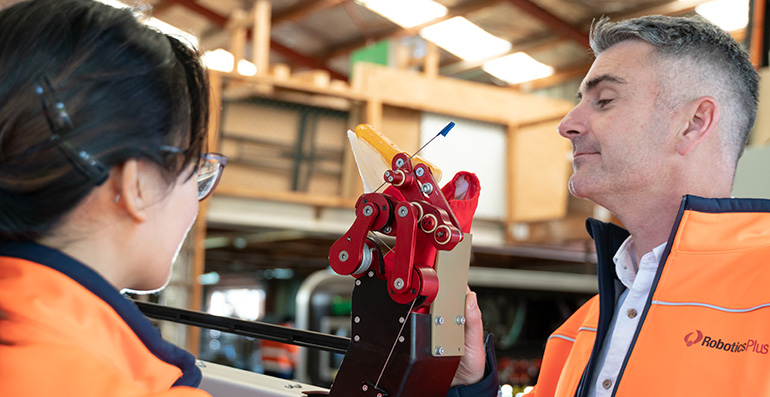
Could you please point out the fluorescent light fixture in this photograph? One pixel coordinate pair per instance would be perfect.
(222, 60)
(406, 13)
(517, 68)
(729, 15)
(464, 39)
(219, 59)
(156, 23)
(246, 68)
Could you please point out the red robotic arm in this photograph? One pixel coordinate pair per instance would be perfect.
(420, 219)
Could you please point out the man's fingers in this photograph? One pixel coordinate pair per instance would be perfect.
(471, 368)
(473, 326)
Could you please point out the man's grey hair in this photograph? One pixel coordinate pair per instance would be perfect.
(704, 56)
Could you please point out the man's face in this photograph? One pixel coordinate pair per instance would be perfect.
(618, 132)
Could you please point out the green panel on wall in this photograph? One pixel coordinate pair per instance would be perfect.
(376, 53)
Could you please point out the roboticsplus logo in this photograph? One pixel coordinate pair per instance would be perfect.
(751, 345)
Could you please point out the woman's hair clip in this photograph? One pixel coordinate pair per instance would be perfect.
(60, 123)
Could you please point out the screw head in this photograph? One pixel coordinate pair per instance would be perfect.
(200, 364)
(400, 163)
(401, 339)
(420, 171)
(427, 188)
(398, 283)
(357, 319)
(368, 211)
(439, 350)
(370, 274)
(387, 229)
(343, 256)
(358, 283)
(364, 387)
(460, 320)
(439, 320)
(356, 338)
(403, 211)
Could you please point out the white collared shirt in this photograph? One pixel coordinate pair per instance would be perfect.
(638, 278)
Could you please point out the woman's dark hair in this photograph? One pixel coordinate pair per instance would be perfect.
(127, 90)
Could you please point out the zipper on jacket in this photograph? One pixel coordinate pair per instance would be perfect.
(654, 286)
(607, 238)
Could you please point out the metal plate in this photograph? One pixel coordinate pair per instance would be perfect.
(447, 331)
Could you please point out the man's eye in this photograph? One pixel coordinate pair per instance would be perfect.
(603, 102)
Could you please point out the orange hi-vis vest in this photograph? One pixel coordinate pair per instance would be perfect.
(705, 329)
(279, 358)
(65, 331)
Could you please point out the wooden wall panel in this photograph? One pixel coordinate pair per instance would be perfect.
(244, 119)
(402, 126)
(261, 139)
(539, 170)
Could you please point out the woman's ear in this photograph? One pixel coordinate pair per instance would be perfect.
(131, 190)
(703, 119)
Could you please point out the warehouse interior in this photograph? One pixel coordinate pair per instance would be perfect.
(289, 78)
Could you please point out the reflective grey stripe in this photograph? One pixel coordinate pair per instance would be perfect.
(561, 337)
(571, 339)
(720, 308)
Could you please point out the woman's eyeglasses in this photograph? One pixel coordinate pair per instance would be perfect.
(209, 170)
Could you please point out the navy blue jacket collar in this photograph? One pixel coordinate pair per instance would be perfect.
(88, 278)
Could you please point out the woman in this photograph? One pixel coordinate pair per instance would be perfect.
(102, 125)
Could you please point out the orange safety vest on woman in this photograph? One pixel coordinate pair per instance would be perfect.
(705, 329)
(65, 331)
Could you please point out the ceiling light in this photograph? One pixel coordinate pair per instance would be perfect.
(219, 59)
(156, 23)
(729, 15)
(464, 39)
(406, 13)
(517, 68)
(246, 68)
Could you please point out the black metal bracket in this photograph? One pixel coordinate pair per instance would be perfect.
(254, 329)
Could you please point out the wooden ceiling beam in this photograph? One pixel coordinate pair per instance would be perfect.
(347, 48)
(561, 27)
(161, 7)
(305, 60)
(355, 16)
(300, 11)
(292, 55)
(213, 16)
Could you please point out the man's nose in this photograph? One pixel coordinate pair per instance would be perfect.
(573, 124)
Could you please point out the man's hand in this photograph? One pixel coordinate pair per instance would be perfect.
(471, 368)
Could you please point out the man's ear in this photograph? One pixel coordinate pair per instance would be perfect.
(703, 116)
(131, 190)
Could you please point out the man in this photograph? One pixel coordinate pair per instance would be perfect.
(663, 117)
